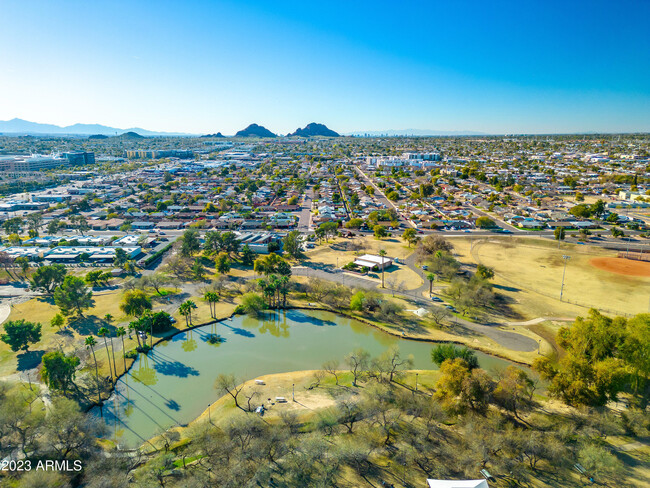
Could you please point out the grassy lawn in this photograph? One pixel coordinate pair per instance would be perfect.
(529, 273)
(71, 339)
(334, 253)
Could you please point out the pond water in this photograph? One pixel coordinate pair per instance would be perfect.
(174, 383)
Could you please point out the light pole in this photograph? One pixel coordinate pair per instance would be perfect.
(566, 260)
(416, 382)
(209, 415)
(293, 392)
(539, 346)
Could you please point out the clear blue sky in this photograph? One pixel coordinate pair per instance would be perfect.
(205, 66)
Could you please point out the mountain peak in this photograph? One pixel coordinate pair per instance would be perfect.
(314, 129)
(255, 130)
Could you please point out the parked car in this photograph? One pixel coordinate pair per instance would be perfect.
(436, 299)
(425, 267)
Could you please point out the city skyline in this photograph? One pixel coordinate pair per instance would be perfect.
(204, 67)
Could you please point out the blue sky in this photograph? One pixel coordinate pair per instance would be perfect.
(534, 66)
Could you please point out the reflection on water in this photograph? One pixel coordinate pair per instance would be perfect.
(175, 382)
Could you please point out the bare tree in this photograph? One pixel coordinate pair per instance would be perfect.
(358, 361)
(332, 367)
(439, 314)
(228, 384)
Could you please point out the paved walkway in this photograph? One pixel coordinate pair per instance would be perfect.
(5, 310)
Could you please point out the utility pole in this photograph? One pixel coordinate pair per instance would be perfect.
(566, 260)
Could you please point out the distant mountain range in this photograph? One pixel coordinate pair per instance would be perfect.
(313, 130)
(23, 127)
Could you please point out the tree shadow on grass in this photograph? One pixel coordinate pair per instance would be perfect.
(29, 360)
(45, 299)
(90, 324)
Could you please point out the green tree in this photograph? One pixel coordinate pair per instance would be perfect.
(48, 278)
(222, 263)
(12, 225)
(248, 256)
(292, 244)
(190, 243)
(135, 302)
(20, 333)
(442, 352)
(514, 390)
(121, 258)
(53, 227)
(58, 370)
(253, 304)
(73, 297)
(97, 277)
(559, 233)
(379, 231)
(198, 270)
(23, 263)
(484, 272)
(598, 208)
(485, 223)
(354, 223)
(410, 236)
(328, 229)
(593, 371)
(57, 321)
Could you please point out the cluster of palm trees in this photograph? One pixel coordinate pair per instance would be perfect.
(185, 310)
(212, 298)
(91, 342)
(273, 287)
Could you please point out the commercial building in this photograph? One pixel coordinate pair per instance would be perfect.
(158, 154)
(371, 261)
(79, 157)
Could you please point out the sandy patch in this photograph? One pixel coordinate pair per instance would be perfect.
(626, 267)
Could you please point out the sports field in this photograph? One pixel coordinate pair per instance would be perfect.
(530, 272)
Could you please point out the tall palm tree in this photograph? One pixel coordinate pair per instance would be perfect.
(90, 343)
(109, 318)
(382, 253)
(431, 277)
(186, 311)
(283, 288)
(121, 332)
(212, 298)
(102, 333)
(134, 326)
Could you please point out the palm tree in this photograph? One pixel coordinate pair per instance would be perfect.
(102, 333)
(90, 343)
(382, 253)
(186, 311)
(212, 298)
(283, 288)
(121, 332)
(431, 277)
(135, 327)
(109, 318)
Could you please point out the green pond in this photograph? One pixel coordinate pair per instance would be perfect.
(174, 383)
